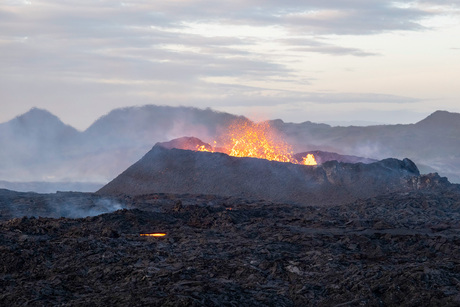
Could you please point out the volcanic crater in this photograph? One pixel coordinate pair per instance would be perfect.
(177, 167)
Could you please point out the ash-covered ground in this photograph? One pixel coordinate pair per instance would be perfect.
(399, 249)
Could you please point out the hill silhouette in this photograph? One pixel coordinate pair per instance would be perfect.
(433, 143)
(31, 145)
(37, 146)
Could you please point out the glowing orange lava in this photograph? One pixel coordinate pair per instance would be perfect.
(157, 234)
(309, 159)
(258, 140)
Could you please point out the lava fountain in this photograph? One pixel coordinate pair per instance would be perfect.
(257, 140)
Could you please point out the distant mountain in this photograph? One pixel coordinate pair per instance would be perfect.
(33, 143)
(123, 136)
(441, 120)
(37, 128)
(37, 146)
(433, 143)
(140, 126)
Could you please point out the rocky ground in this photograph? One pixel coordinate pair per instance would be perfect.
(400, 249)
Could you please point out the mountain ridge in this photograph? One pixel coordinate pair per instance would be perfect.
(438, 117)
(44, 148)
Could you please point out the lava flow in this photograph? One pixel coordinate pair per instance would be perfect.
(258, 140)
(157, 234)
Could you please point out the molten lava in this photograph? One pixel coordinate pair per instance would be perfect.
(309, 159)
(157, 234)
(258, 140)
(202, 148)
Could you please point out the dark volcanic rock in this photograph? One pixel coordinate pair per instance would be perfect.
(184, 171)
(400, 249)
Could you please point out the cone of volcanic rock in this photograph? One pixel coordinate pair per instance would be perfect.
(170, 170)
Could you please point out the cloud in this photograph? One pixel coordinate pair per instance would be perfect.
(131, 51)
(317, 46)
(358, 98)
(355, 20)
(320, 17)
(239, 95)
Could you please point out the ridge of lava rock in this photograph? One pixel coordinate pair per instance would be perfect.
(164, 170)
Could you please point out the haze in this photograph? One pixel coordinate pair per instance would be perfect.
(324, 61)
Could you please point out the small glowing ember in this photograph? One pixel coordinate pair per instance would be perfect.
(158, 234)
(257, 140)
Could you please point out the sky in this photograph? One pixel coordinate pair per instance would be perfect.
(319, 60)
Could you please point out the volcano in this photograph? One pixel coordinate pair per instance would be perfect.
(167, 168)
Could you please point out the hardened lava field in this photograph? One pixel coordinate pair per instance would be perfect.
(396, 249)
